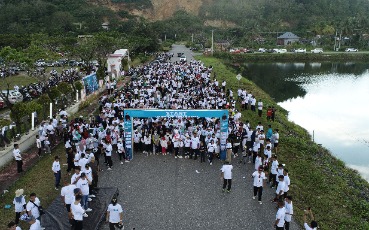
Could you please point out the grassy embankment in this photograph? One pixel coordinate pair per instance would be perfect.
(338, 195)
(39, 178)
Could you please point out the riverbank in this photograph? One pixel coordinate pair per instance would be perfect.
(337, 194)
(292, 57)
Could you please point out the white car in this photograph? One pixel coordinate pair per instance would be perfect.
(183, 58)
(14, 96)
(280, 51)
(351, 50)
(317, 51)
(300, 50)
(262, 50)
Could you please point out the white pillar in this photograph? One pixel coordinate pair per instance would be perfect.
(51, 110)
(33, 121)
(77, 95)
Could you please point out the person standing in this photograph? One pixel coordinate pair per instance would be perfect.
(108, 150)
(229, 150)
(195, 145)
(259, 183)
(121, 151)
(18, 158)
(260, 108)
(57, 172)
(78, 213)
(67, 194)
(202, 151)
(289, 212)
(211, 151)
(83, 184)
(114, 214)
(226, 175)
(19, 204)
(38, 145)
(275, 140)
(32, 206)
(279, 218)
(34, 223)
(280, 189)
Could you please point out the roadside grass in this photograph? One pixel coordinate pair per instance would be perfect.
(38, 179)
(18, 80)
(338, 195)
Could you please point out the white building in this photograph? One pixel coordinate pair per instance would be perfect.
(114, 62)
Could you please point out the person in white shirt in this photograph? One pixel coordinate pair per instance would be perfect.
(260, 108)
(280, 189)
(114, 214)
(13, 226)
(211, 151)
(229, 150)
(289, 212)
(275, 139)
(287, 181)
(34, 223)
(32, 206)
(18, 158)
(38, 145)
(273, 171)
(108, 152)
(279, 218)
(57, 172)
(259, 182)
(78, 213)
(121, 151)
(195, 146)
(83, 183)
(313, 224)
(19, 203)
(226, 175)
(67, 194)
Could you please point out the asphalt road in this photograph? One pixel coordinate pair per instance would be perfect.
(161, 192)
(181, 49)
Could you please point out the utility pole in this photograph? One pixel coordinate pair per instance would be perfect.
(212, 42)
(335, 42)
(192, 38)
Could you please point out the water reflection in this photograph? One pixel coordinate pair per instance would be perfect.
(331, 99)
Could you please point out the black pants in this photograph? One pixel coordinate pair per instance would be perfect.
(211, 156)
(258, 191)
(176, 150)
(202, 156)
(19, 166)
(279, 228)
(110, 162)
(67, 206)
(17, 216)
(287, 225)
(39, 152)
(274, 178)
(227, 182)
(78, 225)
(113, 225)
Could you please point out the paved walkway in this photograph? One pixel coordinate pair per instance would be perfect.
(160, 192)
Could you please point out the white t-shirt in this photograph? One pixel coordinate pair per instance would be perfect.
(114, 213)
(18, 206)
(280, 187)
(289, 211)
(307, 227)
(17, 155)
(77, 211)
(195, 142)
(258, 178)
(280, 215)
(68, 193)
(35, 226)
(33, 208)
(83, 185)
(227, 171)
(56, 166)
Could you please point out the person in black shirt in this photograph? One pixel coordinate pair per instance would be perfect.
(202, 151)
(97, 154)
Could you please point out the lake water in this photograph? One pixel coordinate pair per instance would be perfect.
(331, 99)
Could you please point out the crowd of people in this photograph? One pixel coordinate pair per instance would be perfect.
(91, 142)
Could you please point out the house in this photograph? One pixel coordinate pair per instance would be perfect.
(114, 62)
(287, 39)
(222, 45)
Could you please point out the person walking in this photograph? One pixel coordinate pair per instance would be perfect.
(229, 150)
(19, 204)
(279, 218)
(289, 212)
(259, 183)
(83, 183)
(78, 213)
(211, 150)
(57, 172)
(18, 158)
(67, 194)
(33, 205)
(38, 145)
(114, 215)
(226, 176)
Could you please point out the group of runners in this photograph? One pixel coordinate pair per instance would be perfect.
(91, 142)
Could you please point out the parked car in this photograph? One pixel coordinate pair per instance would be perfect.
(317, 51)
(351, 50)
(280, 51)
(14, 96)
(183, 58)
(262, 50)
(300, 50)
